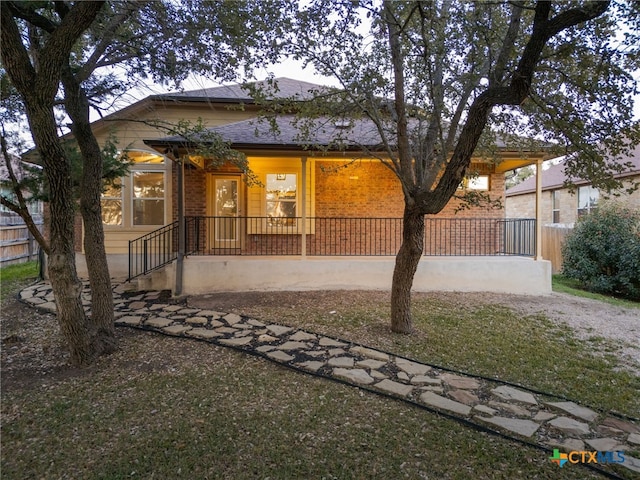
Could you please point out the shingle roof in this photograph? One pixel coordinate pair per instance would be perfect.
(323, 132)
(554, 177)
(286, 88)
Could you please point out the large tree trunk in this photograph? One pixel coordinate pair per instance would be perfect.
(405, 269)
(36, 75)
(102, 328)
(102, 320)
(67, 288)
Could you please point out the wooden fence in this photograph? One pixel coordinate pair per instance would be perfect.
(552, 240)
(17, 245)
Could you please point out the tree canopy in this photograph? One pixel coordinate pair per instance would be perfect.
(68, 57)
(443, 81)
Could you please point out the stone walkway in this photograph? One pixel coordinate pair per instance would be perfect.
(501, 408)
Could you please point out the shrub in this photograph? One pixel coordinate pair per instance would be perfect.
(603, 251)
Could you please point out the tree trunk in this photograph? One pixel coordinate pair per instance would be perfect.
(405, 269)
(37, 78)
(102, 328)
(67, 288)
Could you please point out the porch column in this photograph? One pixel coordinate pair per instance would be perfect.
(303, 210)
(539, 209)
(181, 226)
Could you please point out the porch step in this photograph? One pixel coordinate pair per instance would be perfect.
(151, 281)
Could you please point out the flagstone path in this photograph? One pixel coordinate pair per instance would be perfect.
(502, 408)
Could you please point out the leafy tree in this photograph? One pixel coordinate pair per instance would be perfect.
(119, 43)
(442, 81)
(518, 176)
(603, 251)
(37, 80)
(28, 183)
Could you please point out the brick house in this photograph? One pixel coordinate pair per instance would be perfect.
(316, 218)
(561, 206)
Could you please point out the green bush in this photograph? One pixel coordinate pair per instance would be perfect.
(603, 251)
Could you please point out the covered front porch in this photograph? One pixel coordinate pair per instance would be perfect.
(233, 253)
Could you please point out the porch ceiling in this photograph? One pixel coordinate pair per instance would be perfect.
(513, 163)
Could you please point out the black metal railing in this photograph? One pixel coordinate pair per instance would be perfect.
(519, 236)
(329, 237)
(153, 250)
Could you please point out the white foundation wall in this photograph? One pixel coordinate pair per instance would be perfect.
(202, 274)
(118, 266)
(465, 274)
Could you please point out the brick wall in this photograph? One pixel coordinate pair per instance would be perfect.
(369, 189)
(361, 189)
(195, 188)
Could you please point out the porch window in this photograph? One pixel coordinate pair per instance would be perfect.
(111, 203)
(148, 198)
(480, 182)
(587, 200)
(555, 206)
(282, 198)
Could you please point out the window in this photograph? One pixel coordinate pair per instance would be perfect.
(282, 198)
(587, 200)
(479, 182)
(555, 206)
(138, 199)
(148, 198)
(111, 203)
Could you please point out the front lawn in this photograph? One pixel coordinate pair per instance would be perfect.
(165, 407)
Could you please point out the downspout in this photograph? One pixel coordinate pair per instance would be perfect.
(181, 226)
(539, 209)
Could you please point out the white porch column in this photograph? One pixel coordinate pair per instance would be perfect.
(303, 212)
(539, 209)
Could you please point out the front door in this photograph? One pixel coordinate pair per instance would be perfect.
(225, 208)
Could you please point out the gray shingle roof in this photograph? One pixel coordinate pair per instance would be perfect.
(554, 177)
(322, 132)
(286, 88)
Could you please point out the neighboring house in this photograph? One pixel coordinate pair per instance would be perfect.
(327, 217)
(16, 243)
(559, 205)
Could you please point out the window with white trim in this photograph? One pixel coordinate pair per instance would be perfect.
(148, 198)
(587, 200)
(476, 182)
(141, 198)
(555, 206)
(282, 198)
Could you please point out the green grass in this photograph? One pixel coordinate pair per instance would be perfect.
(246, 420)
(14, 277)
(487, 340)
(151, 411)
(563, 284)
